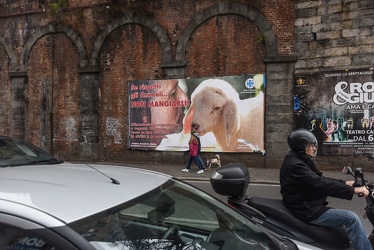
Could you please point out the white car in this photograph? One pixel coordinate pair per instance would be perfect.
(55, 205)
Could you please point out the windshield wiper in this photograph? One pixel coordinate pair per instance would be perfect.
(35, 162)
(45, 161)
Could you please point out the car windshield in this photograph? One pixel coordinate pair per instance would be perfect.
(173, 216)
(19, 153)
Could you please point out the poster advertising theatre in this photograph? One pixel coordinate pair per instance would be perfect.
(338, 107)
(226, 113)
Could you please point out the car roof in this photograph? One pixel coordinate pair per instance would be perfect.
(73, 191)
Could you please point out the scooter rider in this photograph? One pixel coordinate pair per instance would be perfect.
(305, 189)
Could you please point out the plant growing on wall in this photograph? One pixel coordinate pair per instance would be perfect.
(261, 39)
(119, 7)
(56, 6)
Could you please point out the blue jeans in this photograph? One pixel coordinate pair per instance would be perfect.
(197, 159)
(201, 161)
(352, 224)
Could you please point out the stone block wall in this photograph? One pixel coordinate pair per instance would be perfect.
(335, 35)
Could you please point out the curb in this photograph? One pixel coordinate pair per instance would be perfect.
(258, 176)
(189, 178)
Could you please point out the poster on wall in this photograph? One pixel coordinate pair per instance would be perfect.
(338, 107)
(227, 113)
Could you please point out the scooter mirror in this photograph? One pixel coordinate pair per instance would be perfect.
(347, 170)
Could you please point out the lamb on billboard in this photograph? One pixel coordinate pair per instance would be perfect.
(226, 112)
(338, 107)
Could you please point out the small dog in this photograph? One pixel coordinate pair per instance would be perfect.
(216, 161)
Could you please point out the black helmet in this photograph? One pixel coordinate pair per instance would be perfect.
(299, 139)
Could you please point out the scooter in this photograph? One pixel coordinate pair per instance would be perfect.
(232, 180)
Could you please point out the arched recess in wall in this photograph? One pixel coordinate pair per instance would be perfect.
(11, 53)
(138, 19)
(55, 28)
(224, 8)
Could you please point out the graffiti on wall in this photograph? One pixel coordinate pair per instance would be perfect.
(337, 106)
(112, 129)
(71, 129)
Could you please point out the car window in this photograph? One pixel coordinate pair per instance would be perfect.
(13, 238)
(18, 153)
(180, 207)
(173, 216)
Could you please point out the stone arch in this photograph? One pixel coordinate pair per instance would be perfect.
(224, 8)
(55, 28)
(11, 53)
(138, 19)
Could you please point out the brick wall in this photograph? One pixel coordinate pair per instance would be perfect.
(4, 94)
(65, 74)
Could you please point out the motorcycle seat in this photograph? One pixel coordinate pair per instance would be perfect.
(274, 208)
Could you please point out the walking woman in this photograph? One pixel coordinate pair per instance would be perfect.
(194, 152)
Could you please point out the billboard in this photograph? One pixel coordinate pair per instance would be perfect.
(226, 112)
(337, 107)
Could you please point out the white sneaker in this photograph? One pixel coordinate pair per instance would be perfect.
(185, 170)
(200, 171)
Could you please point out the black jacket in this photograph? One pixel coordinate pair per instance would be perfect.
(305, 189)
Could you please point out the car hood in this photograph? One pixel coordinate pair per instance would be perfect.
(73, 191)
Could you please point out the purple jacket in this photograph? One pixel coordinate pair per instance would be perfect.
(194, 148)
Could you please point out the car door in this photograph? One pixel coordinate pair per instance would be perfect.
(20, 233)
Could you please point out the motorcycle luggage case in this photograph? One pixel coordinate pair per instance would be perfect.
(230, 180)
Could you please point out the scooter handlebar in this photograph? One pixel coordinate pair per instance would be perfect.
(359, 179)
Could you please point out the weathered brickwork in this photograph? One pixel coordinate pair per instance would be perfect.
(209, 56)
(5, 94)
(140, 51)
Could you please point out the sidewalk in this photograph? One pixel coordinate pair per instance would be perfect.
(258, 175)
